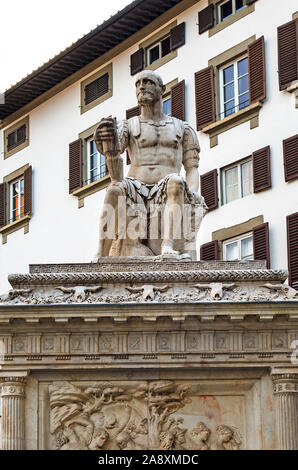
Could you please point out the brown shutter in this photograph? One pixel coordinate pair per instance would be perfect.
(75, 165)
(257, 70)
(2, 204)
(209, 251)
(177, 35)
(137, 62)
(21, 134)
(287, 45)
(204, 96)
(261, 243)
(28, 191)
(97, 88)
(131, 112)
(209, 189)
(290, 148)
(206, 19)
(249, 2)
(178, 100)
(292, 236)
(261, 169)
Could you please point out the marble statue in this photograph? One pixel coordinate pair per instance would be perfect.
(154, 210)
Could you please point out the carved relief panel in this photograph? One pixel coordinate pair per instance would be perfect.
(164, 415)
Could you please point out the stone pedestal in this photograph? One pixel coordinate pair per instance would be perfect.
(149, 354)
(13, 411)
(286, 397)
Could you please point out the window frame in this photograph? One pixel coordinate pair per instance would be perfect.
(236, 87)
(234, 11)
(11, 210)
(220, 25)
(153, 40)
(237, 239)
(153, 45)
(88, 179)
(9, 130)
(100, 73)
(223, 170)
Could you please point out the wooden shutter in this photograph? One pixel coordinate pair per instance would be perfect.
(177, 36)
(131, 112)
(257, 70)
(261, 243)
(206, 19)
(137, 62)
(28, 191)
(287, 46)
(21, 134)
(2, 204)
(292, 236)
(290, 150)
(261, 169)
(178, 100)
(209, 251)
(209, 189)
(204, 97)
(75, 165)
(97, 88)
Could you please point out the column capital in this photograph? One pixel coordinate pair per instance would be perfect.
(285, 380)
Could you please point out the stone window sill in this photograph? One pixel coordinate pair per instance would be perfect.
(251, 113)
(14, 226)
(91, 189)
(292, 87)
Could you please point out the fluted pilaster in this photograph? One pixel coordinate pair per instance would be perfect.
(286, 402)
(13, 413)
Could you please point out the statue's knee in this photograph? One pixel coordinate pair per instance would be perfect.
(113, 193)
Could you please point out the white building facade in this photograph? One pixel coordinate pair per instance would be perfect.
(232, 75)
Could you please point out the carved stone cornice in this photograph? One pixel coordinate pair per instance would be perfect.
(80, 278)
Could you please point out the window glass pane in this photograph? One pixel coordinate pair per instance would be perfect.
(243, 100)
(165, 46)
(232, 251)
(167, 107)
(229, 108)
(228, 74)
(242, 67)
(239, 4)
(246, 248)
(246, 178)
(226, 10)
(92, 147)
(231, 179)
(243, 84)
(102, 166)
(229, 91)
(154, 54)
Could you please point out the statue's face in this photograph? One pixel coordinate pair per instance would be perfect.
(148, 89)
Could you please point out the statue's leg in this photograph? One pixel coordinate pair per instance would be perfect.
(172, 215)
(108, 223)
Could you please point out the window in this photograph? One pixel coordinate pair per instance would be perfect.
(97, 88)
(229, 8)
(233, 82)
(16, 137)
(240, 248)
(166, 104)
(96, 163)
(158, 50)
(16, 200)
(237, 181)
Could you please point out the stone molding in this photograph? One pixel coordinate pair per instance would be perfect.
(150, 276)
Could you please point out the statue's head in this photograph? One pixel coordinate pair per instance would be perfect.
(149, 87)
